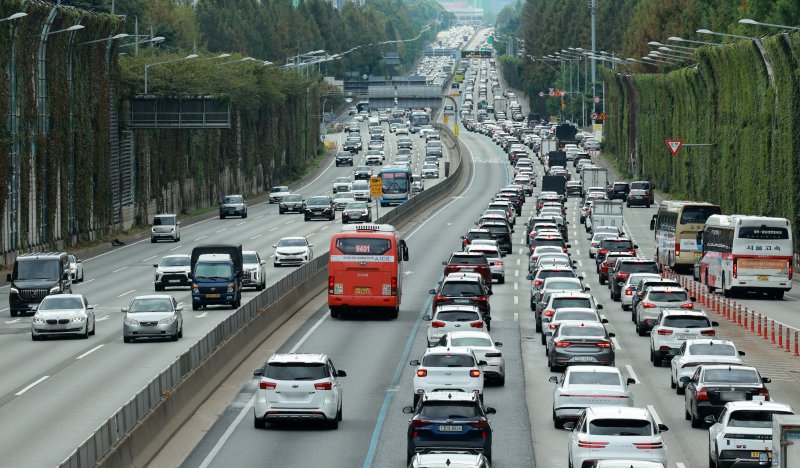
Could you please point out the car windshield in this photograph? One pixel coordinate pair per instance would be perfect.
(164, 221)
(45, 269)
(757, 419)
(342, 180)
(233, 199)
(356, 206)
(616, 245)
(712, 350)
(449, 410)
(175, 261)
(480, 235)
(296, 371)
(280, 188)
(468, 259)
(361, 185)
(578, 330)
(448, 360)
(212, 270)
(363, 245)
(639, 267)
(668, 296)
(561, 302)
(292, 198)
(458, 315)
(552, 242)
(620, 427)
(686, 321)
(731, 375)
(301, 242)
(318, 201)
(56, 303)
(150, 305)
(72, 259)
(698, 214)
(575, 315)
(249, 258)
(593, 378)
(544, 274)
(461, 289)
(472, 341)
(340, 195)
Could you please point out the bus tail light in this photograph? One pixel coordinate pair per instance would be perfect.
(437, 324)
(735, 269)
(791, 270)
(394, 286)
(677, 249)
(330, 284)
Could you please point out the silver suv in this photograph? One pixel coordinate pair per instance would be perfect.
(165, 226)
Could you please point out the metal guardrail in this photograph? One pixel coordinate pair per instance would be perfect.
(123, 421)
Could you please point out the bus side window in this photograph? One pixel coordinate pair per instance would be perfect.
(403, 250)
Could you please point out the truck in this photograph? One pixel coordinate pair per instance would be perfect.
(554, 183)
(593, 176)
(217, 274)
(605, 213)
(556, 158)
(500, 104)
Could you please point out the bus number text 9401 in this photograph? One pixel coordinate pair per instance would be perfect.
(362, 248)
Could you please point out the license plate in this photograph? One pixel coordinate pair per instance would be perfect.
(763, 278)
(451, 428)
(582, 359)
(461, 301)
(467, 269)
(212, 296)
(732, 396)
(684, 337)
(362, 290)
(173, 281)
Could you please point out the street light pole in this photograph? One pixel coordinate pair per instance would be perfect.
(148, 65)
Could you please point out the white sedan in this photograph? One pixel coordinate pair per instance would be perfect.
(582, 386)
(693, 353)
(292, 251)
(430, 171)
(480, 342)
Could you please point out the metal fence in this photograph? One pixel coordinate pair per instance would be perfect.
(123, 421)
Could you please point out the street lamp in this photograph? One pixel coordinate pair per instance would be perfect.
(656, 43)
(757, 23)
(148, 65)
(110, 38)
(243, 59)
(145, 41)
(75, 27)
(14, 16)
(676, 52)
(680, 39)
(737, 36)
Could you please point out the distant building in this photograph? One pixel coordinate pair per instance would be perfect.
(465, 11)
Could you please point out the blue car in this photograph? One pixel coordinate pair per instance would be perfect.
(449, 420)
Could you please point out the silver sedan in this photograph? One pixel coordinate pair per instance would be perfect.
(579, 387)
(154, 316)
(63, 314)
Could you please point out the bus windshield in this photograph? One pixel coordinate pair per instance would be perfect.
(395, 182)
(698, 214)
(363, 245)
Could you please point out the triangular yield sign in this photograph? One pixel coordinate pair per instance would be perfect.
(602, 116)
(674, 145)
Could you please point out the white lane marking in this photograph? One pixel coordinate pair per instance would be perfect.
(273, 229)
(203, 315)
(652, 410)
(516, 286)
(223, 229)
(201, 237)
(617, 347)
(578, 251)
(580, 263)
(4, 309)
(259, 217)
(309, 235)
(30, 386)
(518, 262)
(241, 223)
(13, 321)
(256, 236)
(126, 293)
(290, 221)
(149, 258)
(119, 269)
(175, 248)
(248, 407)
(325, 227)
(516, 301)
(631, 372)
(516, 272)
(89, 352)
(105, 317)
(680, 465)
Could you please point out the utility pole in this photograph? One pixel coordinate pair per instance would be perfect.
(593, 8)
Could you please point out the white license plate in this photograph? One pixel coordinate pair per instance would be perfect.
(684, 336)
(732, 396)
(461, 301)
(451, 428)
(173, 281)
(582, 359)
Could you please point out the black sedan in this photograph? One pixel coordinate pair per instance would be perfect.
(320, 207)
(292, 203)
(713, 385)
(356, 212)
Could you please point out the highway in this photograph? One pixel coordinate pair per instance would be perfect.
(55, 393)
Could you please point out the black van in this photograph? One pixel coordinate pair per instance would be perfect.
(35, 276)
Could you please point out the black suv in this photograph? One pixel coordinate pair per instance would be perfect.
(320, 206)
(644, 185)
(352, 145)
(613, 244)
(344, 158)
(449, 420)
(35, 276)
(623, 269)
(362, 173)
(619, 191)
(501, 232)
(463, 288)
(233, 205)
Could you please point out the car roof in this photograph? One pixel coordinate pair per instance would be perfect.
(461, 276)
(600, 369)
(582, 323)
(570, 294)
(153, 296)
(576, 309)
(298, 358)
(178, 255)
(712, 341)
(51, 296)
(466, 307)
(665, 289)
(758, 405)
(292, 238)
(695, 313)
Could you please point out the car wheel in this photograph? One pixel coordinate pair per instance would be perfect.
(602, 280)
(94, 327)
(260, 287)
(152, 240)
(280, 211)
(672, 383)
(339, 414)
(657, 359)
(501, 280)
(159, 287)
(85, 334)
(259, 423)
(501, 381)
(626, 307)
(335, 313)
(14, 313)
(35, 337)
(127, 339)
(679, 390)
(393, 314)
(195, 307)
(174, 337)
(276, 265)
(697, 423)
(180, 332)
(222, 216)
(244, 215)
(416, 400)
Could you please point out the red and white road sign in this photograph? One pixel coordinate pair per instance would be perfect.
(552, 92)
(593, 115)
(674, 145)
(597, 99)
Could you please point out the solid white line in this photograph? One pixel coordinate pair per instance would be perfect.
(617, 347)
(13, 321)
(203, 315)
(149, 258)
(89, 352)
(631, 372)
(652, 410)
(256, 236)
(42, 379)
(126, 293)
(119, 269)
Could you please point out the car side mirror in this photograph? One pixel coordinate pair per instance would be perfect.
(155, 265)
(741, 353)
(569, 425)
(262, 262)
(612, 335)
(341, 373)
(766, 380)
(258, 372)
(427, 318)
(630, 381)
(635, 246)
(663, 427)
(498, 344)
(653, 223)
(432, 291)
(553, 379)
(124, 310)
(179, 308)
(90, 306)
(310, 245)
(414, 362)
(444, 263)
(714, 324)
(408, 410)
(489, 292)
(569, 246)
(605, 320)
(80, 261)
(598, 306)
(685, 379)
(490, 410)
(482, 363)
(580, 277)
(529, 278)
(274, 246)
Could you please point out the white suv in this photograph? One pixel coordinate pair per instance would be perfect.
(449, 318)
(454, 368)
(628, 289)
(647, 310)
(165, 226)
(480, 342)
(693, 353)
(298, 386)
(743, 432)
(673, 327)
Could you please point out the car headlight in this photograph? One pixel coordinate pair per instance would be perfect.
(130, 321)
(55, 289)
(231, 286)
(168, 320)
(14, 290)
(38, 320)
(79, 318)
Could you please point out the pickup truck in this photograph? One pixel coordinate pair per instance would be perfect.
(217, 275)
(469, 262)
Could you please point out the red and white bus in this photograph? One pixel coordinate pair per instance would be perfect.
(365, 269)
(747, 253)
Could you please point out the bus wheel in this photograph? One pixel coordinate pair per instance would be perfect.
(725, 292)
(393, 314)
(335, 313)
(777, 295)
(708, 285)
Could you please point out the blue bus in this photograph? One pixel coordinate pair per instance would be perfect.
(396, 181)
(418, 119)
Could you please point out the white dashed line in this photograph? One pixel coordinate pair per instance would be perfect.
(652, 410)
(273, 229)
(223, 229)
(89, 352)
(105, 317)
(126, 293)
(631, 372)
(149, 258)
(256, 236)
(175, 248)
(119, 269)
(516, 286)
(201, 237)
(516, 300)
(42, 379)
(617, 347)
(290, 221)
(241, 223)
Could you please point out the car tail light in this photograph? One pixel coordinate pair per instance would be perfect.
(621, 275)
(441, 298)
(475, 373)
(416, 422)
(480, 298)
(603, 251)
(564, 249)
(791, 270)
(628, 291)
(688, 305)
(422, 372)
(735, 268)
(632, 252)
(538, 282)
(664, 348)
(437, 324)
(591, 445)
(549, 313)
(648, 445)
(708, 332)
(648, 305)
(603, 344)
(553, 326)
(702, 394)
(764, 392)
(494, 355)
(481, 423)
(478, 324)
(664, 331)
(323, 386)
(562, 344)
(267, 385)
(497, 263)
